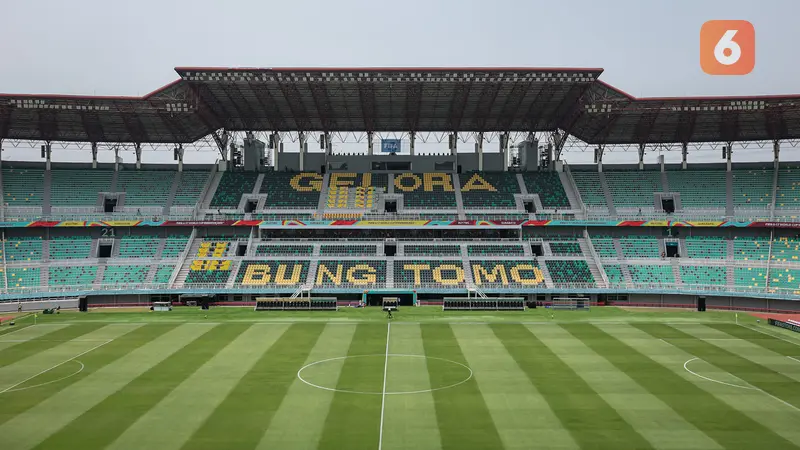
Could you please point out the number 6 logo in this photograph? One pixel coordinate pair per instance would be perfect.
(727, 47)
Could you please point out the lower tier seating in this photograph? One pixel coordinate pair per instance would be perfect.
(331, 273)
(604, 246)
(348, 250)
(499, 250)
(548, 186)
(570, 271)
(21, 277)
(640, 247)
(23, 249)
(72, 275)
(231, 187)
(125, 274)
(752, 277)
(750, 248)
(273, 272)
(284, 250)
(163, 273)
(213, 271)
(566, 248)
(431, 250)
(704, 275)
(72, 247)
(706, 247)
(614, 274)
(500, 273)
(138, 246)
(782, 278)
(651, 274)
(436, 272)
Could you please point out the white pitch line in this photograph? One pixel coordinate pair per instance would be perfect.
(57, 365)
(769, 334)
(383, 391)
(793, 358)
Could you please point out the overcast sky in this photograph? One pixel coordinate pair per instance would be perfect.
(647, 47)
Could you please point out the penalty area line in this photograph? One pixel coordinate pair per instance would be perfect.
(57, 365)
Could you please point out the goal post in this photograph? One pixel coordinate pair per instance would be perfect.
(571, 303)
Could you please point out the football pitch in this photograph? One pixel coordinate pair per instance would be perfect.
(237, 379)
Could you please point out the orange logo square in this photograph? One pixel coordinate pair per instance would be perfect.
(727, 47)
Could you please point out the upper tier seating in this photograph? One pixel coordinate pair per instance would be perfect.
(786, 249)
(23, 187)
(566, 248)
(431, 250)
(651, 274)
(70, 247)
(750, 248)
(136, 246)
(284, 250)
(604, 246)
(355, 190)
(231, 187)
(570, 271)
(190, 188)
(272, 272)
(213, 249)
(431, 272)
(20, 277)
(291, 190)
(350, 272)
(72, 275)
(174, 245)
(788, 194)
(348, 250)
(753, 277)
(146, 187)
(504, 272)
(214, 271)
(706, 247)
(588, 184)
(125, 274)
(635, 246)
(163, 273)
(614, 274)
(548, 186)
(782, 278)
(26, 248)
(78, 187)
(425, 190)
(704, 275)
(492, 250)
(699, 188)
(752, 187)
(633, 187)
(489, 190)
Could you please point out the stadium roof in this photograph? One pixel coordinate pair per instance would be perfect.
(397, 99)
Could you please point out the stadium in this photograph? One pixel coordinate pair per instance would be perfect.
(517, 280)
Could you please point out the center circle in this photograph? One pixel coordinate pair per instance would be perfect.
(458, 373)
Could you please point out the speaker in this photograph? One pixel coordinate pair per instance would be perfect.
(83, 304)
(701, 303)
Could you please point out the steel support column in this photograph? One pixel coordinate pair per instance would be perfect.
(504, 149)
(776, 152)
(47, 153)
(453, 141)
(94, 155)
(369, 143)
(684, 155)
(641, 156)
(598, 157)
(479, 150)
(328, 143)
(302, 139)
(730, 155)
(413, 136)
(138, 148)
(180, 157)
(277, 149)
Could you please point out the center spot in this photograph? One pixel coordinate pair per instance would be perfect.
(363, 374)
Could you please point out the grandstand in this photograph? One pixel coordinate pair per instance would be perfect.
(278, 219)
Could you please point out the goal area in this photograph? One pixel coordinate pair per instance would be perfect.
(571, 303)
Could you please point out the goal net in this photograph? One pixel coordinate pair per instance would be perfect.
(571, 303)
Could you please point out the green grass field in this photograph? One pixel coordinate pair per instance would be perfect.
(236, 379)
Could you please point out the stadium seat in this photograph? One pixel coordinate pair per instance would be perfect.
(431, 250)
(699, 188)
(22, 277)
(548, 186)
(785, 249)
(426, 190)
(499, 273)
(651, 274)
(286, 273)
(213, 271)
(190, 188)
(125, 274)
(163, 273)
(70, 247)
(750, 248)
(751, 277)
(570, 271)
(588, 184)
(231, 188)
(633, 188)
(436, 273)
(614, 274)
(495, 250)
(752, 187)
(284, 250)
(366, 273)
(706, 247)
(566, 248)
(23, 186)
(704, 275)
(604, 246)
(781, 278)
(488, 190)
(72, 275)
(174, 245)
(138, 246)
(291, 190)
(78, 187)
(348, 250)
(146, 187)
(638, 246)
(26, 248)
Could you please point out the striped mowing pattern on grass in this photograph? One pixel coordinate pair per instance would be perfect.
(235, 385)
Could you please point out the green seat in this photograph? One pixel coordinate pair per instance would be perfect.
(488, 190)
(706, 247)
(146, 187)
(426, 190)
(22, 277)
(286, 273)
(163, 273)
(548, 186)
(78, 187)
(614, 274)
(431, 250)
(23, 187)
(125, 274)
(348, 250)
(23, 249)
(651, 274)
(70, 247)
(231, 187)
(72, 275)
(704, 275)
(284, 250)
(136, 246)
(291, 190)
(190, 188)
(491, 250)
(566, 248)
(570, 271)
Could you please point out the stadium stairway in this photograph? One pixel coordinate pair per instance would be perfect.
(570, 189)
(389, 273)
(46, 194)
(101, 269)
(676, 271)
(208, 194)
(664, 181)
(232, 277)
(595, 265)
(618, 248)
(626, 274)
(323, 195)
(729, 210)
(462, 215)
(612, 210)
(44, 277)
(548, 280)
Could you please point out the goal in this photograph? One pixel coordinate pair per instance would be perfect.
(571, 303)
